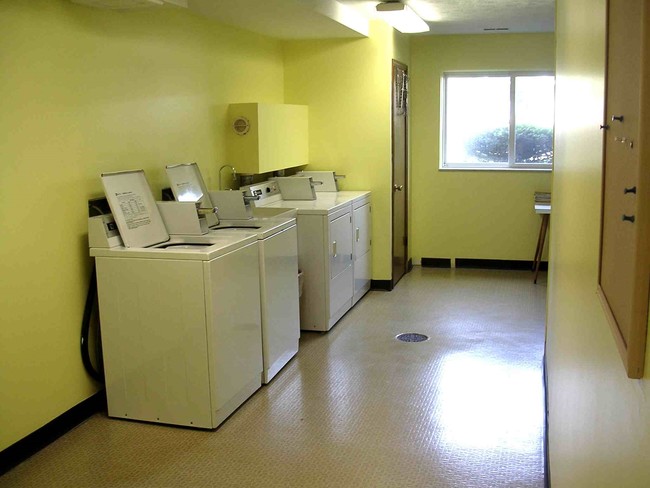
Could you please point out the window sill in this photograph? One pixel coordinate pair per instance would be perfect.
(516, 170)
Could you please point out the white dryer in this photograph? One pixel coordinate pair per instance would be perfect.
(181, 325)
(278, 271)
(334, 250)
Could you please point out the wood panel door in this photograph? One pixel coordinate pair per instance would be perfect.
(399, 126)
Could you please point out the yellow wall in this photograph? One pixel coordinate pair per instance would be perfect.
(401, 48)
(84, 91)
(599, 419)
(469, 214)
(346, 84)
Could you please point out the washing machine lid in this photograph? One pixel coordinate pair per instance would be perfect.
(261, 227)
(187, 183)
(188, 186)
(134, 208)
(325, 180)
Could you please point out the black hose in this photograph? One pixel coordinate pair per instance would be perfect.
(85, 329)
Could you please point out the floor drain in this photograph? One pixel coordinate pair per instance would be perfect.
(412, 337)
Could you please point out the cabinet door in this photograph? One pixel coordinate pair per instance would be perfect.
(362, 230)
(340, 230)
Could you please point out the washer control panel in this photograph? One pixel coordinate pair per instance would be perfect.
(262, 190)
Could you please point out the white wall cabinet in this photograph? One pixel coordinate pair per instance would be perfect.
(269, 137)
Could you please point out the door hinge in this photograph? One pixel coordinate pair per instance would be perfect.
(406, 241)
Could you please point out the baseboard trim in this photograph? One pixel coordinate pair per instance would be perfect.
(384, 285)
(506, 264)
(436, 263)
(37, 440)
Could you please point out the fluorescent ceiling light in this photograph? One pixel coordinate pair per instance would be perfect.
(401, 17)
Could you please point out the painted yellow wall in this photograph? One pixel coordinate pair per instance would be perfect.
(599, 419)
(84, 91)
(402, 47)
(469, 214)
(346, 84)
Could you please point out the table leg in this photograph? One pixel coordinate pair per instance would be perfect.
(538, 251)
(542, 238)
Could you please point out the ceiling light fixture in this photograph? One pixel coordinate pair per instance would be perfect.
(401, 17)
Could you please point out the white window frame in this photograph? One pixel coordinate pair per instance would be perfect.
(511, 164)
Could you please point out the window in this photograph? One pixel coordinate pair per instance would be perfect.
(498, 120)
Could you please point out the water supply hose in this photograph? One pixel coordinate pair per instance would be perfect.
(85, 331)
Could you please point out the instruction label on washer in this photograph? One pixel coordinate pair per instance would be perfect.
(134, 210)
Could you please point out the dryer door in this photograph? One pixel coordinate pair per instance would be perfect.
(340, 244)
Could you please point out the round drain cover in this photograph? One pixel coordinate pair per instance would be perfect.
(412, 337)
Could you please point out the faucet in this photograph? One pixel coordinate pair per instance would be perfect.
(234, 173)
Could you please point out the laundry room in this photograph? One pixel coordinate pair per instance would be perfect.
(96, 91)
(88, 92)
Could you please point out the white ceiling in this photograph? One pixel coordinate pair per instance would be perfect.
(305, 19)
(284, 19)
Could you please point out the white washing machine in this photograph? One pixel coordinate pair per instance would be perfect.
(278, 272)
(180, 317)
(279, 294)
(334, 250)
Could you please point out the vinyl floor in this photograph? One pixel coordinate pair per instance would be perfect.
(356, 407)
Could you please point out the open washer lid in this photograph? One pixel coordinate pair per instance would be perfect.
(134, 208)
(188, 186)
(187, 182)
